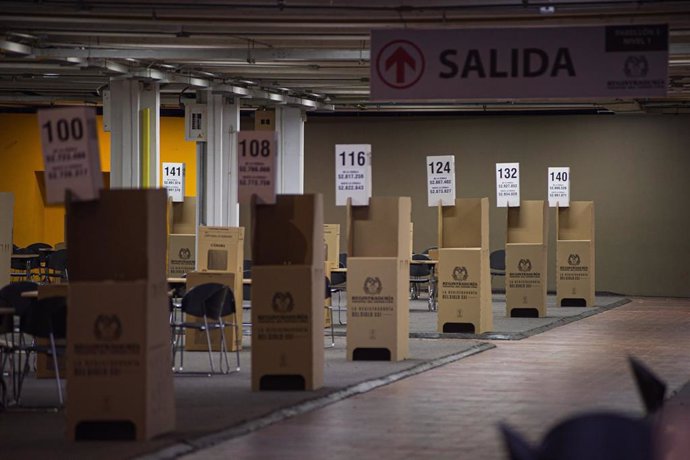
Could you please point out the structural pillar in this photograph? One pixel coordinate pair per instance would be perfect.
(290, 129)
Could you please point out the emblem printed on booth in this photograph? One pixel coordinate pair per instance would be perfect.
(107, 328)
(574, 259)
(525, 265)
(185, 253)
(372, 285)
(282, 302)
(460, 273)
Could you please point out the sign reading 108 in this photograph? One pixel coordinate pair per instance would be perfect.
(355, 159)
(256, 148)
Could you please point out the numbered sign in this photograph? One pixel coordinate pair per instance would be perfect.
(440, 174)
(173, 180)
(559, 187)
(70, 153)
(256, 165)
(507, 184)
(352, 174)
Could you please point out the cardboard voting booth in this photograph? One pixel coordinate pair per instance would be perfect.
(181, 254)
(575, 255)
(118, 340)
(182, 216)
(378, 279)
(288, 282)
(6, 221)
(331, 238)
(526, 266)
(464, 276)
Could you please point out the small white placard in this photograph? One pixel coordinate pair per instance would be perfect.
(352, 174)
(507, 184)
(195, 122)
(256, 158)
(440, 173)
(70, 153)
(559, 187)
(174, 180)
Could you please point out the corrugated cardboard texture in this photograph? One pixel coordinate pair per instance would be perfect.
(6, 222)
(331, 238)
(465, 225)
(195, 340)
(220, 249)
(378, 305)
(381, 229)
(575, 271)
(287, 323)
(576, 222)
(184, 216)
(121, 236)
(528, 223)
(119, 365)
(181, 255)
(526, 277)
(289, 231)
(464, 288)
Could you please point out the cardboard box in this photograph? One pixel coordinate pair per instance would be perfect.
(119, 360)
(221, 249)
(6, 222)
(526, 263)
(331, 238)
(195, 340)
(575, 275)
(120, 237)
(381, 229)
(181, 255)
(378, 323)
(44, 364)
(464, 225)
(287, 327)
(264, 120)
(183, 216)
(464, 291)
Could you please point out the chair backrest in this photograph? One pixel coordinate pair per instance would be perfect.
(338, 278)
(205, 300)
(10, 296)
(247, 265)
(33, 248)
(651, 388)
(420, 270)
(342, 260)
(497, 259)
(328, 288)
(228, 306)
(57, 260)
(46, 316)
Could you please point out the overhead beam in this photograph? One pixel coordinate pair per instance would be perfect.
(15, 48)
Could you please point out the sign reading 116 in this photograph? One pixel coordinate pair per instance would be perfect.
(358, 159)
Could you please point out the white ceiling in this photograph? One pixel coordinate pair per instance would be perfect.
(309, 53)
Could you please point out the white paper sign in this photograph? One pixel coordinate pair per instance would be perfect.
(559, 187)
(174, 180)
(440, 174)
(195, 122)
(70, 153)
(507, 184)
(352, 174)
(256, 158)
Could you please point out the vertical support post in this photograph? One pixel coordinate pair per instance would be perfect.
(125, 164)
(290, 128)
(150, 102)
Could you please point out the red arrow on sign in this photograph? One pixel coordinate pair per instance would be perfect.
(400, 58)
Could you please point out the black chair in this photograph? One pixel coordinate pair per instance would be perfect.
(342, 260)
(211, 302)
(23, 268)
(329, 309)
(497, 263)
(38, 249)
(56, 266)
(44, 319)
(419, 274)
(339, 285)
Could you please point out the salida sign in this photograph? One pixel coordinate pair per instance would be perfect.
(612, 61)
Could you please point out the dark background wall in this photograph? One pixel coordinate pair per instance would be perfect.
(636, 168)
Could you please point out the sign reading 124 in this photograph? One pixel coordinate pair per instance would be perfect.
(352, 174)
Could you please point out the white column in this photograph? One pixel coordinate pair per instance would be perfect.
(290, 129)
(150, 99)
(125, 159)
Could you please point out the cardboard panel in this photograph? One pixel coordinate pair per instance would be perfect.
(220, 249)
(381, 229)
(264, 120)
(528, 223)
(6, 222)
(184, 216)
(576, 222)
(526, 270)
(289, 231)
(121, 236)
(195, 340)
(465, 225)
(378, 306)
(287, 326)
(464, 291)
(181, 255)
(331, 237)
(575, 272)
(119, 365)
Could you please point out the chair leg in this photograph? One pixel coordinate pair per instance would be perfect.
(238, 343)
(223, 350)
(208, 343)
(56, 368)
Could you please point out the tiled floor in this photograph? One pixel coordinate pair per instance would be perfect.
(451, 412)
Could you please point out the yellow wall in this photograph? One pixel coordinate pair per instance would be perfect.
(20, 157)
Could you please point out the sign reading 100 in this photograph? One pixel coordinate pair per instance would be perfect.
(73, 129)
(355, 159)
(256, 148)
